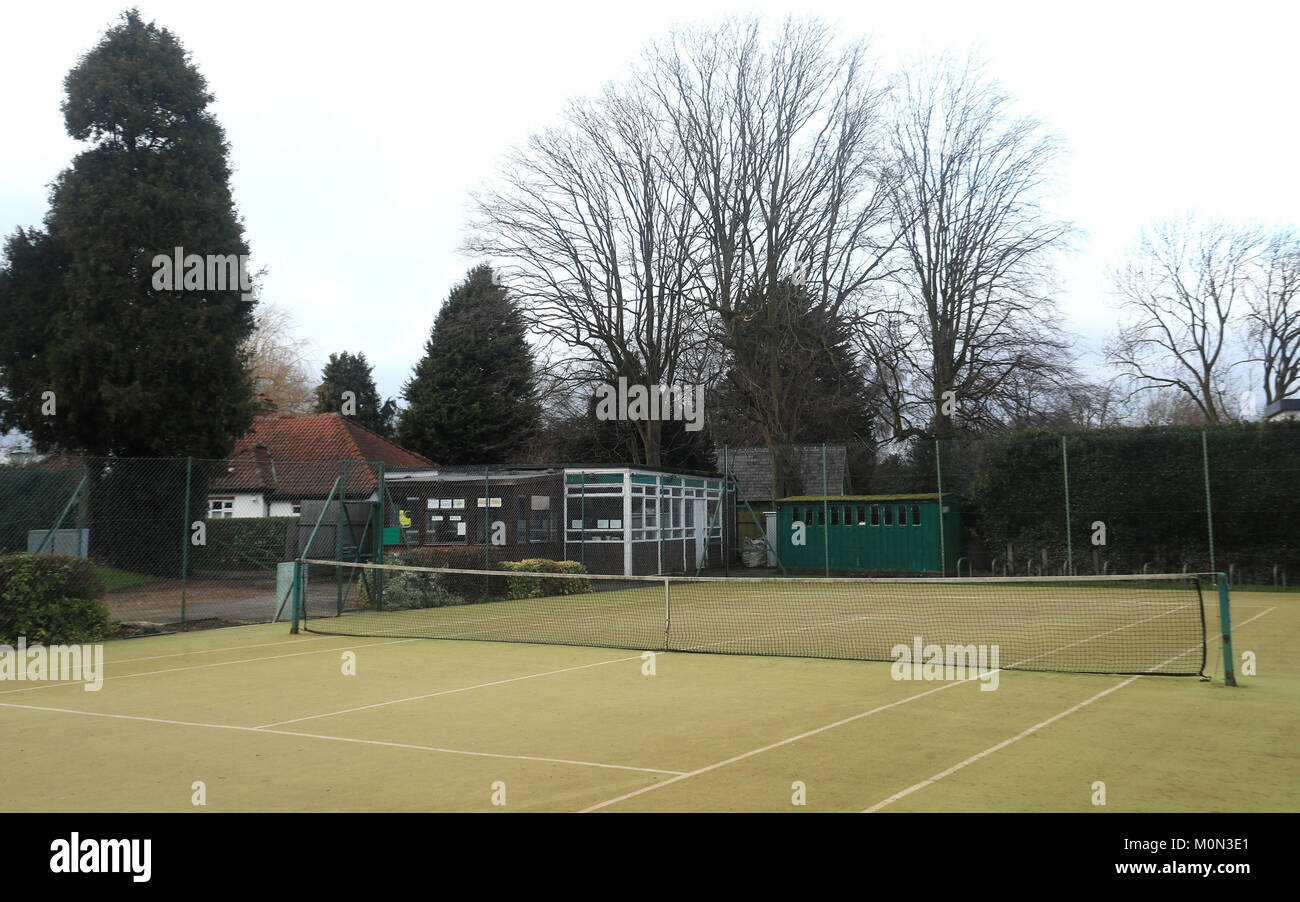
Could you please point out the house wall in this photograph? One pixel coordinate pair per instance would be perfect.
(281, 509)
(246, 504)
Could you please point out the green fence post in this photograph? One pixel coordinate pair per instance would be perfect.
(938, 473)
(379, 538)
(1069, 535)
(296, 593)
(1209, 510)
(185, 540)
(1225, 624)
(582, 513)
(722, 502)
(826, 514)
(338, 532)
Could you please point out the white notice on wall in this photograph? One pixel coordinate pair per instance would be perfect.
(460, 528)
(602, 524)
(615, 524)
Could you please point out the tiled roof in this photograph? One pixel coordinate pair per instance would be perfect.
(297, 456)
(753, 469)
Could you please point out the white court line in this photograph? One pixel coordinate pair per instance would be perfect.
(208, 651)
(398, 745)
(1034, 729)
(127, 676)
(398, 701)
(840, 723)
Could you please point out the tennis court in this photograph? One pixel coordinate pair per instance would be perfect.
(269, 721)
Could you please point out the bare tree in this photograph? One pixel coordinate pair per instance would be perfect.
(595, 241)
(1273, 316)
(1179, 290)
(277, 359)
(781, 168)
(971, 314)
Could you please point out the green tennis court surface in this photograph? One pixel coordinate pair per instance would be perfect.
(268, 721)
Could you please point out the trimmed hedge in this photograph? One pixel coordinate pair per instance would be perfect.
(538, 587)
(52, 599)
(243, 543)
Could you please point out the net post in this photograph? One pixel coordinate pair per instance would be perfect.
(487, 526)
(1209, 512)
(1069, 535)
(1225, 624)
(668, 611)
(296, 593)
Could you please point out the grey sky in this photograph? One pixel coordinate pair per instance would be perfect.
(357, 131)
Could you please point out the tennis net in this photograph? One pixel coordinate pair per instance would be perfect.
(1115, 624)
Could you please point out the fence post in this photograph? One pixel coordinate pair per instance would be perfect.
(582, 512)
(1209, 514)
(1069, 535)
(185, 539)
(938, 472)
(826, 514)
(722, 501)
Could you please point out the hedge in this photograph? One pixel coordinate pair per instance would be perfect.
(52, 599)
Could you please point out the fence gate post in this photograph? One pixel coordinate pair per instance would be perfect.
(185, 539)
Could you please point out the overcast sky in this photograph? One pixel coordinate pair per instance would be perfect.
(357, 130)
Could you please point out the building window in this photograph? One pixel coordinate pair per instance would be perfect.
(862, 515)
(889, 515)
(835, 516)
(297, 508)
(916, 515)
(221, 508)
(875, 515)
(902, 515)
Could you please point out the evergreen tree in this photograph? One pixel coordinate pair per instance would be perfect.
(135, 369)
(472, 397)
(352, 372)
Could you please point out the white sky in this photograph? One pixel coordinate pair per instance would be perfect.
(357, 130)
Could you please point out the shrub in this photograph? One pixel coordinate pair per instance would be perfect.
(415, 589)
(51, 599)
(537, 586)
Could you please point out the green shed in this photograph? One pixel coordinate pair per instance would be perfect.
(892, 533)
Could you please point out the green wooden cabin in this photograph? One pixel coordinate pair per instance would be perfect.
(887, 533)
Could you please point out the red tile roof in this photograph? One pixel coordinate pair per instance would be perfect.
(297, 456)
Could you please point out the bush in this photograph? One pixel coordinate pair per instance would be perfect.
(52, 599)
(417, 590)
(537, 586)
(243, 543)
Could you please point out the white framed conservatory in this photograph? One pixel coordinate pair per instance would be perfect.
(656, 521)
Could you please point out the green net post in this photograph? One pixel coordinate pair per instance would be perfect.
(295, 594)
(1069, 536)
(338, 532)
(487, 527)
(185, 539)
(1225, 624)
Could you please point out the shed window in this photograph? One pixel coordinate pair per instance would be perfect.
(916, 515)
(902, 515)
(835, 516)
(821, 516)
(875, 515)
(889, 515)
(862, 515)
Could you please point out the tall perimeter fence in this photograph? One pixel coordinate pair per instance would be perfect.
(1155, 500)
(186, 542)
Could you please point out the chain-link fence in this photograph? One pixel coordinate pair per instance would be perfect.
(1159, 500)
